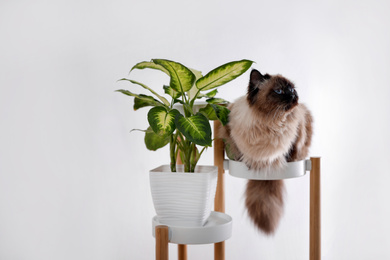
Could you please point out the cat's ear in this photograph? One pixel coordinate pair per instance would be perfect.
(256, 77)
(253, 88)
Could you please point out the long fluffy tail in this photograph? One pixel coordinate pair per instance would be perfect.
(264, 202)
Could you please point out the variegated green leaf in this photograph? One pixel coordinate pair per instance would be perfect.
(164, 100)
(149, 65)
(192, 92)
(216, 112)
(170, 91)
(127, 93)
(229, 152)
(178, 101)
(198, 74)
(182, 78)
(223, 74)
(217, 101)
(222, 113)
(208, 112)
(210, 94)
(195, 128)
(162, 121)
(154, 141)
(145, 101)
(141, 100)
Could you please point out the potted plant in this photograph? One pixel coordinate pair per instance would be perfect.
(179, 121)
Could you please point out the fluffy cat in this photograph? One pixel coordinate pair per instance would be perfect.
(266, 129)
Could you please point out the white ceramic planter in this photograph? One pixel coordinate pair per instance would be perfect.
(183, 199)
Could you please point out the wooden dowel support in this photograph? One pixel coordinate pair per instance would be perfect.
(315, 209)
(219, 156)
(181, 249)
(182, 252)
(162, 240)
(219, 202)
(219, 251)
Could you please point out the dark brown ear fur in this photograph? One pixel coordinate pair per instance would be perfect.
(255, 81)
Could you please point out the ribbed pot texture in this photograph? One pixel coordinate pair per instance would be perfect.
(183, 199)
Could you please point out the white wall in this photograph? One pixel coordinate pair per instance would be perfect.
(73, 180)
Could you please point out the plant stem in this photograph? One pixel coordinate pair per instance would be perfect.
(200, 154)
(172, 146)
(188, 157)
(194, 98)
(183, 95)
(194, 157)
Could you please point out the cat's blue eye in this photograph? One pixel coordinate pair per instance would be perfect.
(278, 91)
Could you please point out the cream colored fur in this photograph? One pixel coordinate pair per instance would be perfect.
(265, 140)
(265, 132)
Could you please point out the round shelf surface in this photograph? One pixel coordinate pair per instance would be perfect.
(218, 228)
(292, 170)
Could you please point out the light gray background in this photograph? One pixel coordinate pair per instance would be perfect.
(74, 181)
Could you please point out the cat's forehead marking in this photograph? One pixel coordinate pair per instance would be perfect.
(283, 82)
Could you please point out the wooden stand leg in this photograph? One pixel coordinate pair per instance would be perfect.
(219, 156)
(219, 203)
(219, 251)
(181, 249)
(182, 252)
(162, 239)
(315, 210)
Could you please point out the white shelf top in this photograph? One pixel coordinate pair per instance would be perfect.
(218, 228)
(292, 170)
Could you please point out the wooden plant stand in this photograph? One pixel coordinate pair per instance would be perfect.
(162, 232)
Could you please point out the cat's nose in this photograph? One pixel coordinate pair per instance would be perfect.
(293, 92)
(295, 98)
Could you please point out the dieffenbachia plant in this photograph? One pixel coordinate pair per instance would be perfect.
(186, 131)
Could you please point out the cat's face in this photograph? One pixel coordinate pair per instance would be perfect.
(270, 93)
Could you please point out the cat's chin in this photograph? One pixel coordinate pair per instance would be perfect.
(291, 106)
